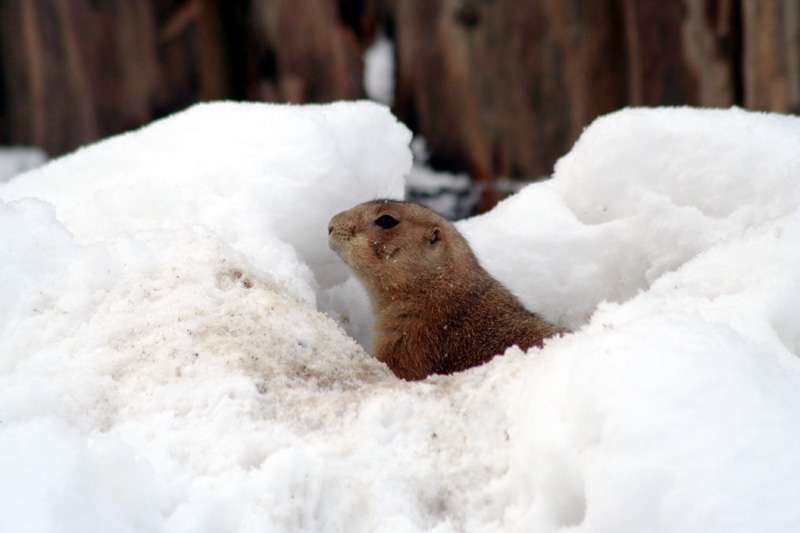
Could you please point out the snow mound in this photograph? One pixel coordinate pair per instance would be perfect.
(162, 384)
(642, 192)
(163, 366)
(260, 176)
(674, 408)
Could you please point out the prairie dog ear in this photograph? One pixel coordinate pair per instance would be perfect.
(433, 235)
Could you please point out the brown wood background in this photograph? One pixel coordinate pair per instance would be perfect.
(498, 87)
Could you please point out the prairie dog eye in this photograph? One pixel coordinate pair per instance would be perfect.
(386, 221)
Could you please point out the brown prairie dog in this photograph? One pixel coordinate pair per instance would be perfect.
(437, 310)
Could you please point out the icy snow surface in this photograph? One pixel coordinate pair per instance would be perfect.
(163, 366)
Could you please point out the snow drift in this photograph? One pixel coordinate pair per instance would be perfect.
(164, 367)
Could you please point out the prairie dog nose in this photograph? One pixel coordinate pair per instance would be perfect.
(339, 224)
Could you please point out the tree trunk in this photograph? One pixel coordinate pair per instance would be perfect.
(504, 87)
(75, 70)
(309, 55)
(772, 54)
(682, 52)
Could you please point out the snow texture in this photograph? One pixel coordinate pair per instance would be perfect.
(17, 159)
(164, 367)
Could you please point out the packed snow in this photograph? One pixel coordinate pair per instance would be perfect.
(164, 364)
(17, 159)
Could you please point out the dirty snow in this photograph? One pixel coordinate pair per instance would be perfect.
(164, 365)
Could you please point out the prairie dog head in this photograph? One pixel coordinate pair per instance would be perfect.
(393, 245)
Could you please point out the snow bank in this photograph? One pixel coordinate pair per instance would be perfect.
(265, 178)
(642, 192)
(163, 368)
(673, 409)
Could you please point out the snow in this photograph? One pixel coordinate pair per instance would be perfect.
(17, 159)
(670, 185)
(164, 365)
(243, 171)
(379, 71)
(453, 196)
